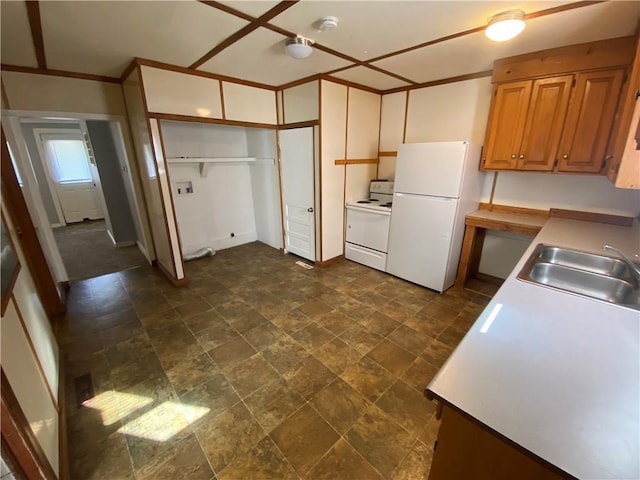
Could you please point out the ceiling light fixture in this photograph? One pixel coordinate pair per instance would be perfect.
(506, 25)
(298, 47)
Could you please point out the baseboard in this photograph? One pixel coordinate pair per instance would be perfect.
(113, 240)
(490, 279)
(331, 261)
(128, 243)
(222, 243)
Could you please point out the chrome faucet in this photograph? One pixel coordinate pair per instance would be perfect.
(635, 269)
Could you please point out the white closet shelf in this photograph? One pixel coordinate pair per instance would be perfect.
(204, 162)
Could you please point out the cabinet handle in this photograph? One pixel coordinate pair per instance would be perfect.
(565, 156)
(513, 156)
(521, 156)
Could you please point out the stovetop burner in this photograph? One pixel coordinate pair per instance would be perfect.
(363, 201)
(386, 204)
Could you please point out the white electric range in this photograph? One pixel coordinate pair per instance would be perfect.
(368, 221)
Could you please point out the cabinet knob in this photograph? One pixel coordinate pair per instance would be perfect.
(513, 156)
(521, 156)
(565, 156)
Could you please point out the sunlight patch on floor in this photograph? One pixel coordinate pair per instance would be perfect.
(114, 406)
(164, 421)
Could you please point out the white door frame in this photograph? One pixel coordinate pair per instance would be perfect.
(33, 198)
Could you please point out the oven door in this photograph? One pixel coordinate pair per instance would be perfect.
(368, 228)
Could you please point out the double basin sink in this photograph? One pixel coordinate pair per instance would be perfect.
(596, 276)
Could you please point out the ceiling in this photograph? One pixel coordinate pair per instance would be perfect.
(379, 44)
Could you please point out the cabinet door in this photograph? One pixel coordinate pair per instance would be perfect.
(506, 125)
(545, 119)
(589, 121)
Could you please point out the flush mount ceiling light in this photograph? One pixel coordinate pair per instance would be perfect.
(298, 47)
(506, 25)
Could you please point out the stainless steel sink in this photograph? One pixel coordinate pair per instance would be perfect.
(591, 275)
(601, 264)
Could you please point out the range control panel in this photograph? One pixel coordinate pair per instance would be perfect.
(381, 186)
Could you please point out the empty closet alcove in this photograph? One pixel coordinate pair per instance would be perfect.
(225, 184)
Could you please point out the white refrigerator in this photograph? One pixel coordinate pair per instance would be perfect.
(436, 185)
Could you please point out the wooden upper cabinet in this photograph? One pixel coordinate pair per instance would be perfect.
(623, 153)
(555, 110)
(545, 118)
(506, 125)
(589, 121)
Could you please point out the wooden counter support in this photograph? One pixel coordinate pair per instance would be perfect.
(468, 450)
(476, 225)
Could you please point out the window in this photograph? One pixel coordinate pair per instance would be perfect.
(69, 162)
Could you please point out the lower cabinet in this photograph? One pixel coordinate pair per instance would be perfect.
(466, 450)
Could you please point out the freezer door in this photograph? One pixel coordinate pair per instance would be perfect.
(430, 168)
(420, 239)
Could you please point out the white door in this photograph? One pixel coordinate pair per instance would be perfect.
(296, 157)
(73, 176)
(420, 239)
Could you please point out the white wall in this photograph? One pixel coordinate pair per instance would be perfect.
(454, 111)
(145, 167)
(265, 186)
(332, 147)
(249, 104)
(392, 123)
(300, 103)
(221, 205)
(593, 193)
(362, 141)
(179, 93)
(203, 140)
(27, 91)
(30, 358)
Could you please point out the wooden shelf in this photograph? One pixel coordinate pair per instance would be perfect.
(204, 162)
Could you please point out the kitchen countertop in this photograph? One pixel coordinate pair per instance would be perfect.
(533, 221)
(554, 372)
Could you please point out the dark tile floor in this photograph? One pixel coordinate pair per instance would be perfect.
(258, 369)
(87, 251)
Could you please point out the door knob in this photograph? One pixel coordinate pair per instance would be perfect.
(513, 155)
(310, 209)
(521, 156)
(565, 156)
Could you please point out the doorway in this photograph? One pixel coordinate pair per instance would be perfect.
(77, 178)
